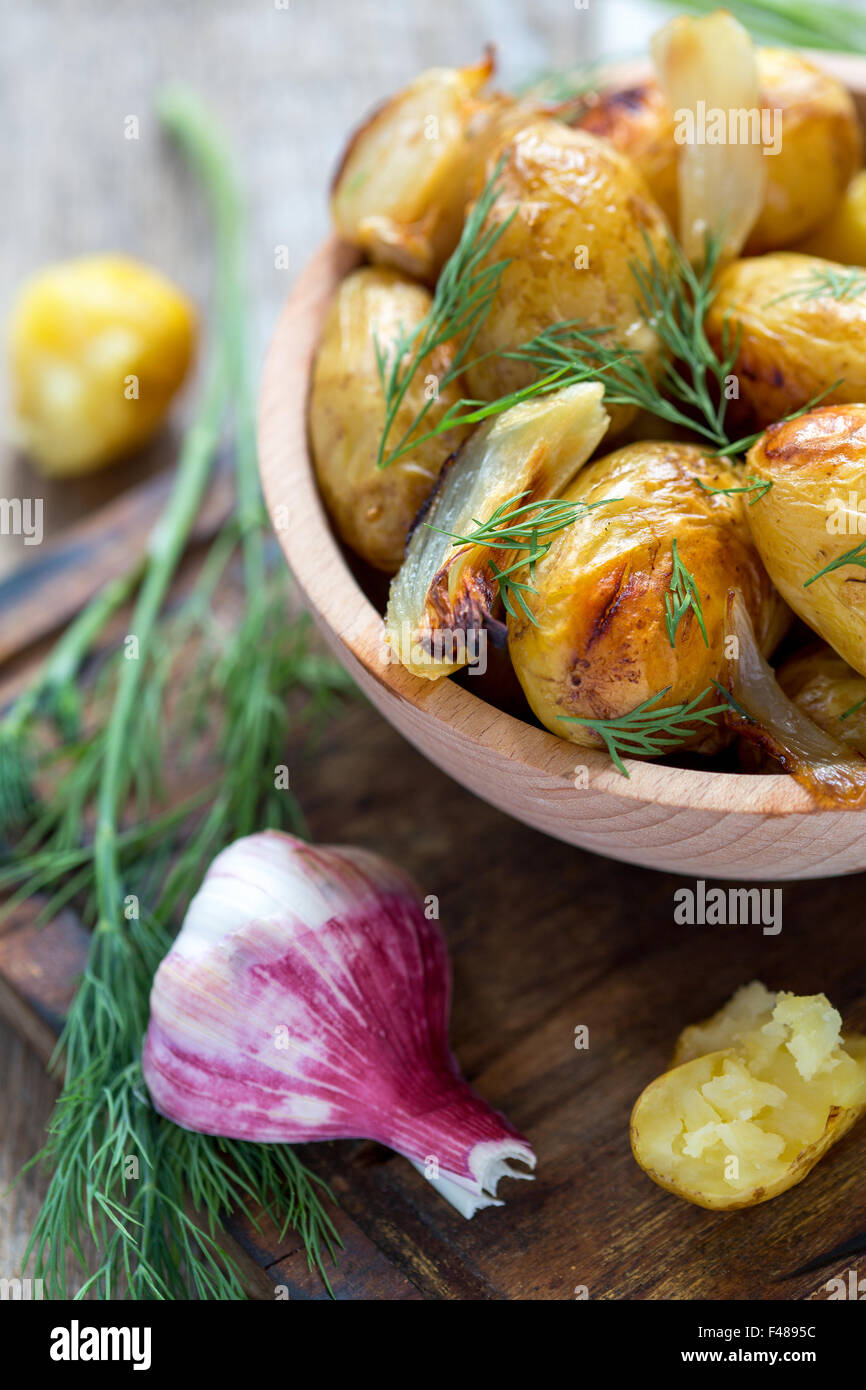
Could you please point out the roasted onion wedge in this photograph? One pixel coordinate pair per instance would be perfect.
(706, 65)
(834, 772)
(445, 593)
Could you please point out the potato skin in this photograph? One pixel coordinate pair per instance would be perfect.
(814, 462)
(638, 122)
(796, 339)
(373, 508)
(600, 645)
(401, 190)
(826, 687)
(821, 146)
(843, 236)
(564, 190)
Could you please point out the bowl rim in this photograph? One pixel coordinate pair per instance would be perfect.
(353, 627)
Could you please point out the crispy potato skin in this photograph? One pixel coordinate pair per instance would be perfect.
(373, 508)
(826, 687)
(600, 646)
(566, 192)
(794, 342)
(814, 463)
(821, 145)
(638, 122)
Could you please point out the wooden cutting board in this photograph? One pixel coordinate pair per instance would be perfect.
(544, 938)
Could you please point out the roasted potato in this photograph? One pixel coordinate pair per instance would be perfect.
(807, 520)
(829, 691)
(802, 331)
(98, 349)
(805, 182)
(401, 190)
(599, 644)
(843, 236)
(579, 215)
(748, 1118)
(373, 508)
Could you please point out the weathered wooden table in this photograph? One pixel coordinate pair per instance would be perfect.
(544, 938)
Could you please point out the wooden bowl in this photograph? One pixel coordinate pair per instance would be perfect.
(714, 824)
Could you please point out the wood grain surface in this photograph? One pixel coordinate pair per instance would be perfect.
(544, 937)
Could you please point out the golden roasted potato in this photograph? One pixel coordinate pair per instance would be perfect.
(639, 124)
(401, 191)
(806, 521)
(843, 236)
(600, 644)
(802, 326)
(805, 182)
(579, 214)
(98, 347)
(830, 692)
(373, 508)
(747, 1119)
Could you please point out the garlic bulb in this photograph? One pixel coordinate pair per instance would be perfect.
(307, 997)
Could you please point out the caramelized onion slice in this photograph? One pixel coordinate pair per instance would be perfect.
(707, 70)
(831, 771)
(445, 594)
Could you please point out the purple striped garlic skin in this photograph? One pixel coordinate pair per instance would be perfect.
(307, 997)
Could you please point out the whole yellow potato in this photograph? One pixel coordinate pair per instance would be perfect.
(373, 508)
(746, 1120)
(831, 693)
(98, 348)
(802, 327)
(843, 236)
(579, 215)
(401, 190)
(819, 152)
(810, 519)
(599, 644)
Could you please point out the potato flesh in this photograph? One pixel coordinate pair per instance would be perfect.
(739, 1121)
(98, 347)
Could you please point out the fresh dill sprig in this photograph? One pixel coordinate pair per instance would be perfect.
(852, 709)
(516, 525)
(650, 732)
(464, 294)
(760, 487)
(674, 301)
(121, 1176)
(855, 556)
(800, 23)
(844, 284)
(683, 594)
